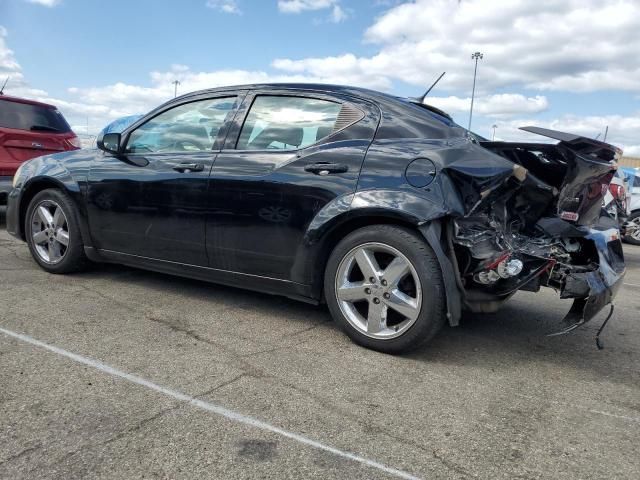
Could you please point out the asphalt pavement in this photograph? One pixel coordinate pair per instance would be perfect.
(121, 373)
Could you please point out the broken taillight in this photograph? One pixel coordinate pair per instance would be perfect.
(618, 191)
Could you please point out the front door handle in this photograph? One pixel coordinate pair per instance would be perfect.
(322, 168)
(189, 167)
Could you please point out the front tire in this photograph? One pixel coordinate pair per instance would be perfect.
(53, 233)
(384, 287)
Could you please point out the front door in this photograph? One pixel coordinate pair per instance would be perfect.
(288, 155)
(151, 200)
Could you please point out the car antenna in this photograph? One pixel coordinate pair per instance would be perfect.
(4, 85)
(421, 99)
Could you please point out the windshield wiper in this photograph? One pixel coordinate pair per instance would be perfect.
(45, 128)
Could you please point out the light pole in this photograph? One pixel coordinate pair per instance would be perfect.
(175, 88)
(493, 137)
(476, 56)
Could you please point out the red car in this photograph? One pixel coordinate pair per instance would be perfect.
(29, 129)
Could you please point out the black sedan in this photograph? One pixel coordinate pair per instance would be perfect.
(382, 207)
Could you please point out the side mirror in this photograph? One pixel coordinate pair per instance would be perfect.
(109, 142)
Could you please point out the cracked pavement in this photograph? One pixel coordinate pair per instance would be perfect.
(493, 398)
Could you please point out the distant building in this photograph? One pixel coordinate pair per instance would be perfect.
(630, 162)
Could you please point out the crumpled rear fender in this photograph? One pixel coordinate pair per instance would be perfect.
(433, 178)
(378, 206)
(595, 289)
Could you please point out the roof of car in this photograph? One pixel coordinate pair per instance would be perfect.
(25, 100)
(361, 92)
(323, 87)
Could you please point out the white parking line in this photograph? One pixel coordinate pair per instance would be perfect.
(210, 407)
(632, 284)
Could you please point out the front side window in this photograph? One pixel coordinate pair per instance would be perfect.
(191, 127)
(287, 123)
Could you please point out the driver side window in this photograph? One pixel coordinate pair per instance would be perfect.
(190, 127)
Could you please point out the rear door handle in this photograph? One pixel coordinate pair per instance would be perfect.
(326, 168)
(189, 167)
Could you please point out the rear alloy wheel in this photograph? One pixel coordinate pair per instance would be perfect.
(383, 285)
(53, 234)
(633, 229)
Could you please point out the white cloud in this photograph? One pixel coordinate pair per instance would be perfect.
(46, 3)
(581, 45)
(338, 14)
(496, 106)
(342, 69)
(632, 151)
(225, 6)
(11, 69)
(297, 6)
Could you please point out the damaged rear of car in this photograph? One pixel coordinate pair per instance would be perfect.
(541, 225)
(507, 216)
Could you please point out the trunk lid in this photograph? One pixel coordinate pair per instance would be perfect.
(580, 168)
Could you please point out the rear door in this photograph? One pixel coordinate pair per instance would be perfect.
(28, 131)
(288, 155)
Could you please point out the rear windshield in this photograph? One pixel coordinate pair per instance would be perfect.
(24, 116)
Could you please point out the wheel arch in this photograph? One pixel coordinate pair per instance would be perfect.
(433, 231)
(340, 228)
(37, 185)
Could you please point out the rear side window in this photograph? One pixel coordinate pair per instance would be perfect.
(36, 118)
(287, 123)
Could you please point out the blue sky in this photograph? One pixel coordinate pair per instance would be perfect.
(97, 60)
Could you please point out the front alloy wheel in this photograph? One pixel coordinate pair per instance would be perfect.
(53, 232)
(50, 232)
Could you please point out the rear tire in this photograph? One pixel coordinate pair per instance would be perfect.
(53, 232)
(384, 287)
(635, 238)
